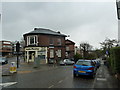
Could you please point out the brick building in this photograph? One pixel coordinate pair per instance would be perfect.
(6, 48)
(70, 49)
(45, 44)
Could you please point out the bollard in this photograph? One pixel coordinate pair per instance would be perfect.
(13, 67)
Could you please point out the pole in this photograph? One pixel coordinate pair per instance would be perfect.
(17, 60)
(17, 50)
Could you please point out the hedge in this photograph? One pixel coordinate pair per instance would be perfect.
(115, 59)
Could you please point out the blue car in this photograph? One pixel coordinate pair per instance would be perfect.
(84, 67)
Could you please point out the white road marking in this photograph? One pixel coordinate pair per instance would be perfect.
(51, 86)
(102, 79)
(7, 84)
(99, 75)
(60, 81)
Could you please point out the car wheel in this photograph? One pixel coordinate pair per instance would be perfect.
(75, 75)
(93, 76)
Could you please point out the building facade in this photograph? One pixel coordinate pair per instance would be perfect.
(6, 48)
(44, 44)
(70, 49)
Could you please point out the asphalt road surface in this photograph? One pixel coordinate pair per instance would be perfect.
(59, 77)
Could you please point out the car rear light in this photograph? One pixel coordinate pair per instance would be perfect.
(91, 68)
(75, 67)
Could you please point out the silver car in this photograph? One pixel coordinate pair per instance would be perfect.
(68, 62)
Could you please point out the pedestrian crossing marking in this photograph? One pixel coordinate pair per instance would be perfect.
(7, 84)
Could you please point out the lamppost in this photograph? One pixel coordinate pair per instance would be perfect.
(118, 15)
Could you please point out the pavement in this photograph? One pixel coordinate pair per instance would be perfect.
(27, 68)
(104, 79)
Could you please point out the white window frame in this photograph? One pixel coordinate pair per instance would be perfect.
(35, 42)
(59, 53)
(51, 53)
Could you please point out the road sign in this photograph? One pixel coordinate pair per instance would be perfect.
(13, 67)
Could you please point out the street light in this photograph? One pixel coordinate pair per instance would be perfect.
(118, 15)
(118, 8)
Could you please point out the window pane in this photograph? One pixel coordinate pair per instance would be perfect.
(51, 41)
(51, 53)
(59, 41)
(59, 53)
(31, 40)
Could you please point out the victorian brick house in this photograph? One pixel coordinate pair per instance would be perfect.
(45, 44)
(70, 49)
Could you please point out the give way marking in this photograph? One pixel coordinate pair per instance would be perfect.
(7, 84)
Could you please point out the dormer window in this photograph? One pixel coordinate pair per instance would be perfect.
(32, 40)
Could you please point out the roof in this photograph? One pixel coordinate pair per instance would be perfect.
(44, 31)
(67, 42)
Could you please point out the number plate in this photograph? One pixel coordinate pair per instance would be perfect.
(82, 71)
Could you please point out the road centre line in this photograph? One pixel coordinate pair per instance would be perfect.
(51, 86)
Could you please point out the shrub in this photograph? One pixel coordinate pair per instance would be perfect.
(115, 59)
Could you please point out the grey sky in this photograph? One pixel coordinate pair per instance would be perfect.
(88, 22)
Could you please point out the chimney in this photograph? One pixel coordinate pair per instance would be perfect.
(58, 32)
(35, 28)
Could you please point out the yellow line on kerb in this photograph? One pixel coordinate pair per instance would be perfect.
(22, 72)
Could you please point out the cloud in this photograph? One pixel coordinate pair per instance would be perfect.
(83, 21)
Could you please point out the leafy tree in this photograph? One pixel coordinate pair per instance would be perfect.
(107, 44)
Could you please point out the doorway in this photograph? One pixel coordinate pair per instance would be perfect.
(31, 55)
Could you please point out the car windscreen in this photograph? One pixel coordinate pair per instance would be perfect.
(84, 63)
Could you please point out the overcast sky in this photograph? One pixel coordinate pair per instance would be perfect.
(88, 22)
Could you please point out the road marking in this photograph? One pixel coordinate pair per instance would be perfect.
(60, 81)
(7, 84)
(99, 75)
(51, 86)
(102, 79)
(22, 72)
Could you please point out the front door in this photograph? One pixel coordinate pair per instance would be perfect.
(31, 56)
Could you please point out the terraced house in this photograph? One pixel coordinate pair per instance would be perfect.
(45, 44)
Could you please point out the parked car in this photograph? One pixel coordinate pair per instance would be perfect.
(51, 61)
(84, 67)
(62, 62)
(97, 63)
(68, 62)
(3, 60)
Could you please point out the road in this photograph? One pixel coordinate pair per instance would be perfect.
(60, 77)
(5, 67)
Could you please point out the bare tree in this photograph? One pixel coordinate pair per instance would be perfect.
(85, 48)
